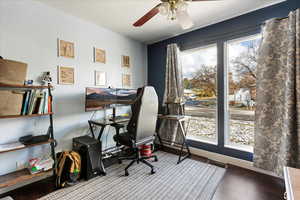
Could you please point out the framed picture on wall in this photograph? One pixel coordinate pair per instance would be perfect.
(66, 75)
(100, 78)
(126, 61)
(66, 49)
(99, 55)
(126, 80)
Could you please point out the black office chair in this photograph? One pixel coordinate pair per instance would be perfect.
(141, 127)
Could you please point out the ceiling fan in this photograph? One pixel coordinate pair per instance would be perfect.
(174, 10)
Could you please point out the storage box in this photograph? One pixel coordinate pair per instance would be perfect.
(12, 72)
(10, 102)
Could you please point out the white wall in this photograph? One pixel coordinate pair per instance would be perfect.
(28, 33)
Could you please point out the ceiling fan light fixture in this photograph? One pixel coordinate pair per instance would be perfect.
(164, 9)
(182, 6)
(184, 20)
(173, 10)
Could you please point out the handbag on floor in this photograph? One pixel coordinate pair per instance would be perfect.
(68, 169)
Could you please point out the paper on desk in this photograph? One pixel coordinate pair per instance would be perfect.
(10, 146)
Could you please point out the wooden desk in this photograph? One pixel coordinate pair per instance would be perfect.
(292, 183)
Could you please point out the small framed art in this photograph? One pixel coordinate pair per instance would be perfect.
(100, 78)
(66, 49)
(125, 61)
(99, 55)
(66, 75)
(126, 80)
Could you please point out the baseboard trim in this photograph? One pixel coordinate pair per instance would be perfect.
(227, 160)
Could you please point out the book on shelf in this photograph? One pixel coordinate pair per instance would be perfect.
(46, 96)
(25, 102)
(36, 102)
(39, 103)
(43, 103)
(32, 102)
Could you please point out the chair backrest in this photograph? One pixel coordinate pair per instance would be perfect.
(135, 107)
(145, 112)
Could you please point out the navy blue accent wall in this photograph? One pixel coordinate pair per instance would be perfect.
(240, 26)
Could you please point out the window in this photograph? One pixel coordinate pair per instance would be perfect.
(220, 92)
(241, 59)
(200, 90)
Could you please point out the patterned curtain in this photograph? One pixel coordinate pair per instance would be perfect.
(277, 131)
(173, 96)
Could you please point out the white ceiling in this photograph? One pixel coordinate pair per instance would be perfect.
(119, 15)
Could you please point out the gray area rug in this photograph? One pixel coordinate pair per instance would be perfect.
(189, 180)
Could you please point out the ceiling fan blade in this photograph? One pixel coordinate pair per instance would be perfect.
(147, 16)
(184, 20)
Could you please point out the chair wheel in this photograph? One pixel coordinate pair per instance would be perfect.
(120, 161)
(126, 173)
(153, 171)
(155, 159)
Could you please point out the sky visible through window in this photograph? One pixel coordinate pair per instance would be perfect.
(238, 50)
(192, 61)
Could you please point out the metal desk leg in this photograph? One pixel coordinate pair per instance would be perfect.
(158, 136)
(187, 127)
(160, 141)
(102, 168)
(183, 132)
(92, 129)
(186, 130)
(101, 132)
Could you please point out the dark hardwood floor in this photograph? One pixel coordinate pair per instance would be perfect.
(237, 184)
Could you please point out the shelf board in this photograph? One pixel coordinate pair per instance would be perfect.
(22, 116)
(27, 146)
(19, 86)
(20, 176)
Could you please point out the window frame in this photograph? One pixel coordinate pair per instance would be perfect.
(220, 147)
(211, 142)
(227, 143)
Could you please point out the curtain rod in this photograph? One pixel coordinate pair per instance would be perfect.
(279, 18)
